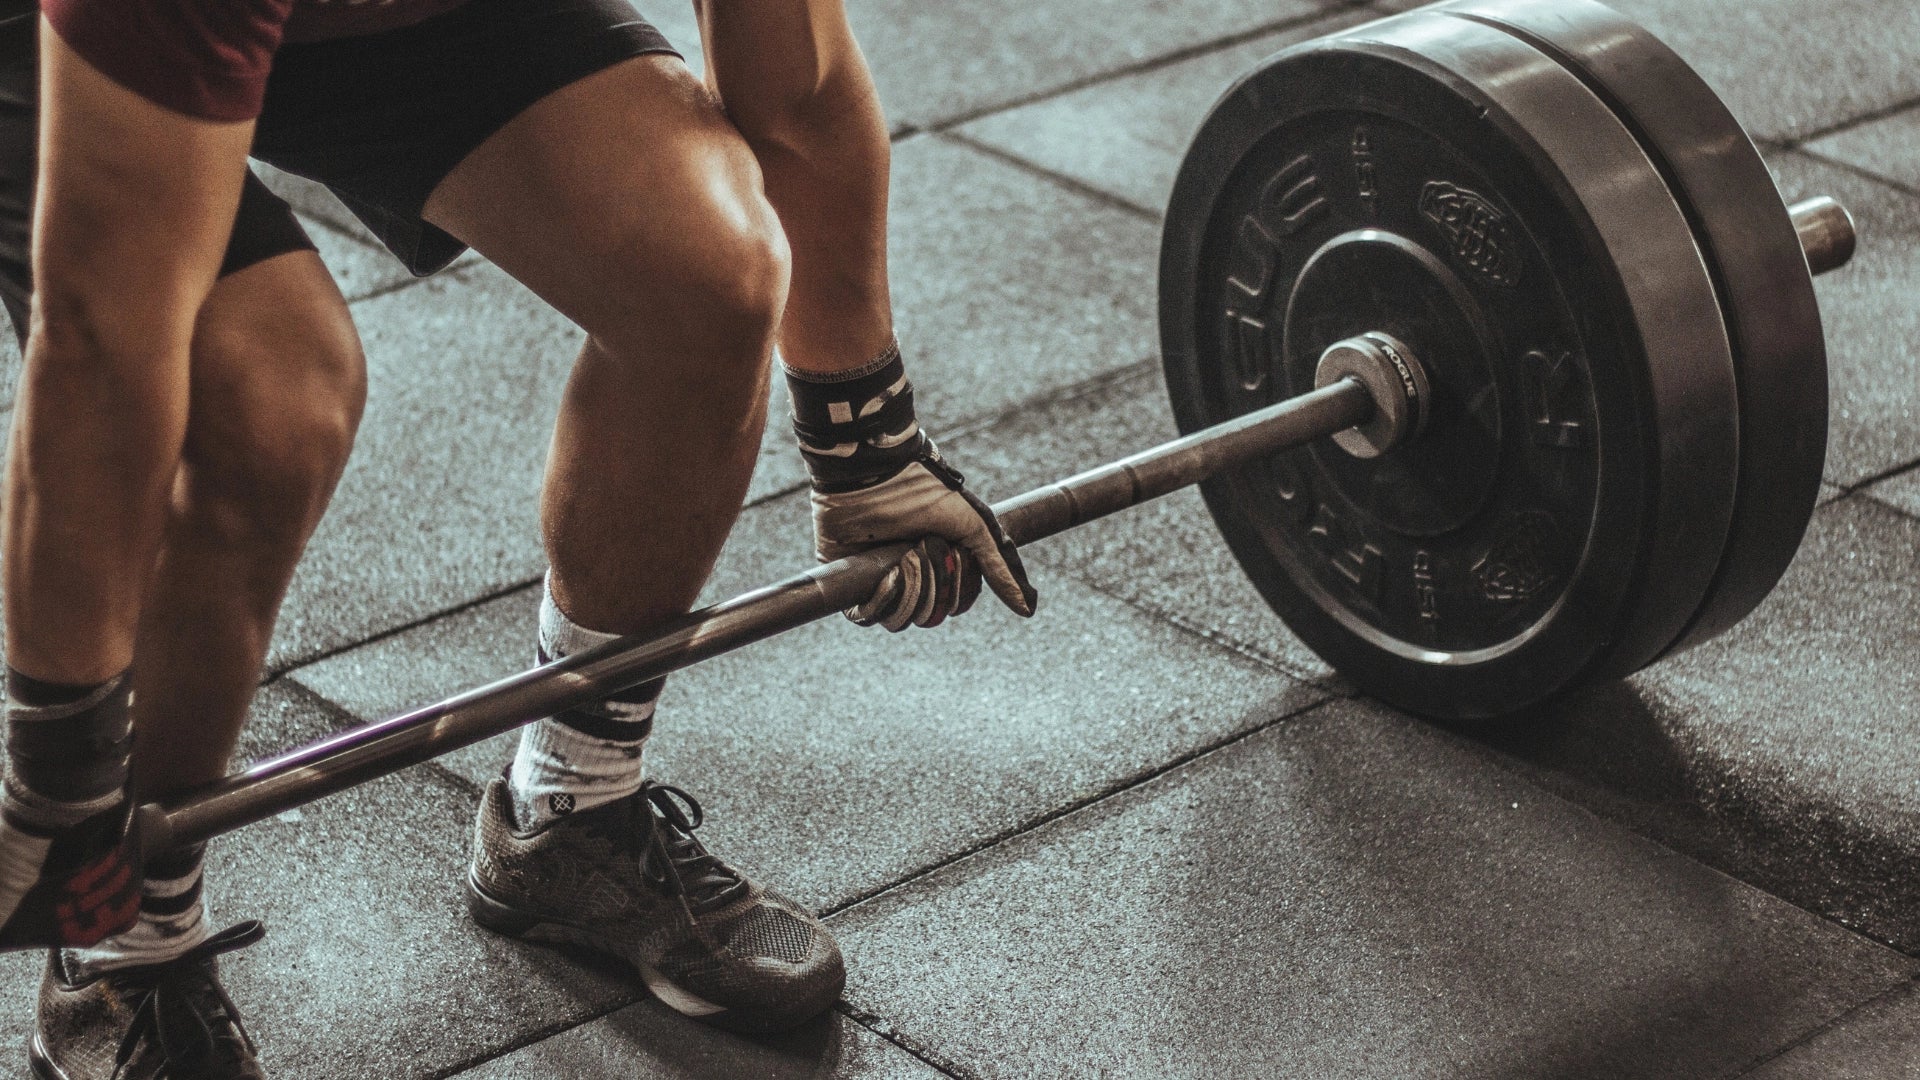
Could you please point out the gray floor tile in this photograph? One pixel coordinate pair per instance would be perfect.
(1870, 320)
(1127, 136)
(1888, 147)
(646, 1042)
(938, 62)
(1347, 894)
(1879, 1042)
(1779, 752)
(840, 759)
(370, 966)
(1166, 557)
(1008, 288)
(1786, 68)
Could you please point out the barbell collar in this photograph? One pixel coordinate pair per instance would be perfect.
(374, 750)
(1826, 233)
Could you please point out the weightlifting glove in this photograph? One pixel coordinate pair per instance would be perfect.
(877, 478)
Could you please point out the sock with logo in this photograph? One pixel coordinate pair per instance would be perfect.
(173, 919)
(585, 757)
(69, 749)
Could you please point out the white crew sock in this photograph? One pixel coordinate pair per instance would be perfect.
(582, 758)
(173, 919)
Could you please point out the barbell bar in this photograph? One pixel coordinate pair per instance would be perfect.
(1350, 401)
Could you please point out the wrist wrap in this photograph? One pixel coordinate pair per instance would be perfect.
(856, 428)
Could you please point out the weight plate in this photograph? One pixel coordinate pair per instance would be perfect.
(1765, 289)
(1567, 505)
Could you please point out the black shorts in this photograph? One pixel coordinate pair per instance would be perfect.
(379, 119)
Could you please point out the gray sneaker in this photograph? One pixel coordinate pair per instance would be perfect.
(145, 1023)
(629, 878)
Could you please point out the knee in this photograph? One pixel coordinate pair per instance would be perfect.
(716, 294)
(719, 298)
(267, 443)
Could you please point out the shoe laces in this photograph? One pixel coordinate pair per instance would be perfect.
(673, 853)
(180, 1007)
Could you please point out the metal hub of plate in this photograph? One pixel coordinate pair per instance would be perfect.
(1393, 377)
(1443, 181)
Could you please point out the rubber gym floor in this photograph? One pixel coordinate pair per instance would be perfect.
(1147, 834)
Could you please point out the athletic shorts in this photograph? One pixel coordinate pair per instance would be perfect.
(379, 119)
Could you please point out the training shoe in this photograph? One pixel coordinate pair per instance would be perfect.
(629, 878)
(146, 1023)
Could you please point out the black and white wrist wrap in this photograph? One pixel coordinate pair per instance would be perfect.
(878, 478)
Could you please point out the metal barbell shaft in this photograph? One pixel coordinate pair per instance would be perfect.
(377, 749)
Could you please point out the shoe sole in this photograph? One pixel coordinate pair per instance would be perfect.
(42, 1062)
(493, 915)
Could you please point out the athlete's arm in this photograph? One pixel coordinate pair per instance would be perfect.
(795, 83)
(135, 204)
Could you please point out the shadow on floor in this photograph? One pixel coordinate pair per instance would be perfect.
(1618, 751)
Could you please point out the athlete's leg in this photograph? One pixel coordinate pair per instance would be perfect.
(629, 202)
(278, 382)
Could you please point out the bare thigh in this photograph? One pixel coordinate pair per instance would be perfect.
(627, 201)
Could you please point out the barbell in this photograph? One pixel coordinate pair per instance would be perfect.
(1498, 361)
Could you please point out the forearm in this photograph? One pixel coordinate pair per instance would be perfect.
(796, 84)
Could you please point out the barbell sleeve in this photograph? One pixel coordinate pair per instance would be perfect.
(364, 753)
(1826, 233)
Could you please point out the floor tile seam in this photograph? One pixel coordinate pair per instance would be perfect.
(1861, 485)
(302, 661)
(1860, 171)
(538, 1035)
(1153, 63)
(1818, 1030)
(886, 1031)
(1069, 184)
(1881, 503)
(958, 435)
(1519, 768)
(984, 423)
(1209, 635)
(456, 269)
(345, 719)
(1131, 782)
(1871, 116)
(399, 285)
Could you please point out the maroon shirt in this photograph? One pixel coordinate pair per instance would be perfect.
(210, 58)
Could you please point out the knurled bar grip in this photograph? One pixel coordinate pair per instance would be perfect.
(374, 750)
